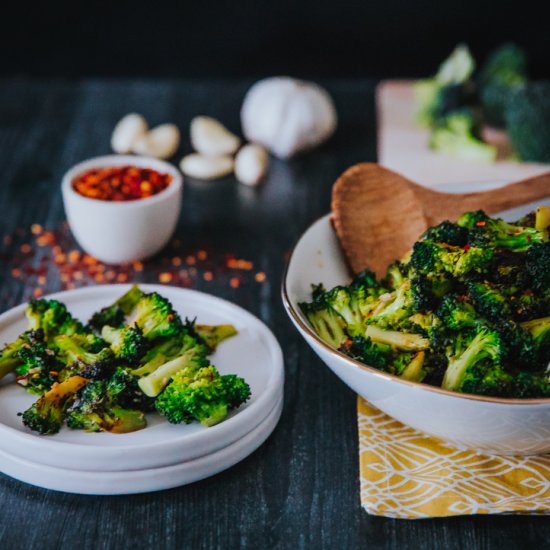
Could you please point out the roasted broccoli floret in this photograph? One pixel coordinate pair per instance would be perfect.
(39, 365)
(539, 330)
(201, 394)
(428, 289)
(528, 121)
(365, 350)
(504, 71)
(53, 318)
(488, 301)
(47, 414)
(9, 355)
(127, 343)
(104, 405)
(459, 135)
(430, 257)
(325, 321)
(155, 316)
(487, 378)
(446, 232)
(531, 385)
(457, 314)
(85, 355)
(485, 346)
(115, 314)
(537, 265)
(494, 232)
(214, 335)
(396, 339)
(392, 309)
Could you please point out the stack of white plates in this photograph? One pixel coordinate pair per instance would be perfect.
(162, 455)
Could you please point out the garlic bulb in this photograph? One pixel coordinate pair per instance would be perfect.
(210, 137)
(161, 142)
(287, 116)
(251, 164)
(127, 132)
(205, 167)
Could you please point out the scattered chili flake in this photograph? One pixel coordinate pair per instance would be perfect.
(466, 247)
(121, 183)
(176, 261)
(234, 282)
(41, 280)
(122, 277)
(208, 276)
(16, 273)
(165, 277)
(73, 256)
(260, 277)
(8, 239)
(481, 224)
(138, 266)
(202, 255)
(38, 292)
(25, 248)
(190, 260)
(36, 229)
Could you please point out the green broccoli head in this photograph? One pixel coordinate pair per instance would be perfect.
(429, 257)
(39, 365)
(504, 71)
(488, 301)
(115, 314)
(155, 316)
(447, 233)
(528, 121)
(46, 415)
(128, 343)
(393, 309)
(9, 354)
(201, 395)
(485, 346)
(487, 378)
(528, 385)
(365, 350)
(85, 355)
(457, 314)
(53, 318)
(428, 289)
(537, 265)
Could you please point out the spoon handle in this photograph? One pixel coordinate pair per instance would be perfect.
(522, 192)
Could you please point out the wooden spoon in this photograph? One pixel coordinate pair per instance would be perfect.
(379, 214)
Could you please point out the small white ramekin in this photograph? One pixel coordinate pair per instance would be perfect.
(123, 232)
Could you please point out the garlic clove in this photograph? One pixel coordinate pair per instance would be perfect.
(251, 164)
(210, 137)
(206, 167)
(160, 142)
(127, 132)
(287, 116)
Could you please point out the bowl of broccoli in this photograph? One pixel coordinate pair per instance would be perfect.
(453, 341)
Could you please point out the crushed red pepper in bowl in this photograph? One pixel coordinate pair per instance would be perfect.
(120, 183)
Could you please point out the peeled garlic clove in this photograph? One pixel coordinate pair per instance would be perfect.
(127, 132)
(287, 116)
(210, 137)
(251, 164)
(206, 167)
(161, 142)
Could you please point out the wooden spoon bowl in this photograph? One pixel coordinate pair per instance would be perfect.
(378, 214)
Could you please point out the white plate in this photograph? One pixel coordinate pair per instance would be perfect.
(253, 354)
(140, 481)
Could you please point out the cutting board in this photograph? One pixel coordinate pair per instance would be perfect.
(403, 147)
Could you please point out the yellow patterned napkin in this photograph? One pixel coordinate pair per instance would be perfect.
(405, 474)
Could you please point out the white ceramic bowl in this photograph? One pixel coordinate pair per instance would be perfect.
(498, 426)
(123, 232)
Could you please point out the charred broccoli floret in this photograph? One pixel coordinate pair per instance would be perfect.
(448, 233)
(214, 335)
(201, 394)
(537, 266)
(115, 314)
(127, 343)
(53, 318)
(46, 416)
(102, 406)
(488, 301)
(457, 314)
(365, 350)
(9, 355)
(39, 365)
(155, 316)
(485, 346)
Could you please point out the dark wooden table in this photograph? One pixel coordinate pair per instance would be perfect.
(300, 489)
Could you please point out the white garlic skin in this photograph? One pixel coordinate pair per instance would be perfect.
(127, 132)
(205, 167)
(160, 142)
(211, 137)
(251, 164)
(287, 116)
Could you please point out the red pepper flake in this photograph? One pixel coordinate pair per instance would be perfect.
(202, 255)
(165, 277)
(176, 261)
(234, 282)
(122, 277)
(41, 280)
(38, 292)
(36, 229)
(138, 266)
(25, 248)
(260, 277)
(16, 273)
(190, 260)
(466, 247)
(208, 276)
(481, 224)
(121, 183)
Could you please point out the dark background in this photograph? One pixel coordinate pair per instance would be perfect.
(254, 38)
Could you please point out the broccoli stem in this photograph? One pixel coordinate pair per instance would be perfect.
(399, 340)
(414, 370)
